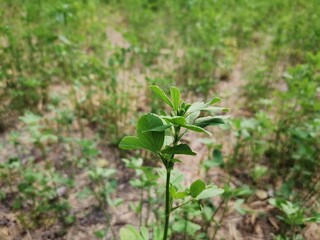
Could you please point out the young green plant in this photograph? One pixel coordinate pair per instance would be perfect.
(162, 135)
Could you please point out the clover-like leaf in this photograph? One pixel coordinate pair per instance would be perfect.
(199, 106)
(150, 133)
(172, 191)
(181, 195)
(215, 110)
(195, 128)
(130, 143)
(182, 122)
(161, 94)
(179, 149)
(159, 128)
(152, 141)
(176, 120)
(197, 187)
(210, 192)
(144, 233)
(192, 117)
(175, 97)
(129, 232)
(208, 121)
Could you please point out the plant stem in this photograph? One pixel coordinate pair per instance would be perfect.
(167, 212)
(172, 209)
(169, 166)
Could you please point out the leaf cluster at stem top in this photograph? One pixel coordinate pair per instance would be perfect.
(161, 134)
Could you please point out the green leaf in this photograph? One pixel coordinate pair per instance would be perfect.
(172, 191)
(210, 192)
(180, 195)
(30, 118)
(179, 149)
(176, 97)
(176, 177)
(152, 141)
(216, 161)
(214, 100)
(177, 120)
(315, 218)
(192, 117)
(197, 187)
(208, 121)
(195, 128)
(289, 208)
(168, 140)
(239, 208)
(199, 106)
(157, 233)
(241, 191)
(217, 156)
(207, 213)
(159, 129)
(183, 225)
(100, 234)
(130, 142)
(176, 160)
(145, 233)
(161, 94)
(147, 138)
(129, 232)
(215, 110)
(195, 107)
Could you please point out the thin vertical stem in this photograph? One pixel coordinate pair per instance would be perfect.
(169, 167)
(167, 212)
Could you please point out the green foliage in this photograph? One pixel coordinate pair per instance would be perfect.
(292, 214)
(151, 136)
(196, 188)
(129, 232)
(289, 140)
(148, 135)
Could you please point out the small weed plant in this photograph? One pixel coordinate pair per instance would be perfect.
(163, 135)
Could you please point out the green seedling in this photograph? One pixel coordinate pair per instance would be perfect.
(162, 135)
(293, 215)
